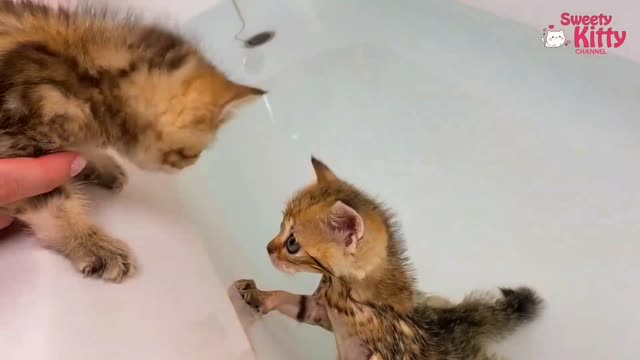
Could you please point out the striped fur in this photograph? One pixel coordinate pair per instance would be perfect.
(87, 81)
(368, 297)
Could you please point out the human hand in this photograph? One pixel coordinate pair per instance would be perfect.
(25, 177)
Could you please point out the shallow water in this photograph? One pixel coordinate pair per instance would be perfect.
(506, 162)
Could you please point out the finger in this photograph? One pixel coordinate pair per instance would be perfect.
(5, 221)
(25, 177)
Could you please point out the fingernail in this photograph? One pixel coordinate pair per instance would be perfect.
(77, 165)
(5, 221)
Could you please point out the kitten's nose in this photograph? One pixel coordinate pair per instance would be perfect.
(271, 247)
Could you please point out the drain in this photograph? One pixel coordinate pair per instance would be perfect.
(259, 39)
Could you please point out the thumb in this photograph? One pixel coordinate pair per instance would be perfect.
(25, 177)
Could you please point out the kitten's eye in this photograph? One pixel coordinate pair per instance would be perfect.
(293, 246)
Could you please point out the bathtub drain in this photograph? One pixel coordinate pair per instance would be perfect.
(257, 39)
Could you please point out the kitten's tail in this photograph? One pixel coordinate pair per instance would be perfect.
(481, 317)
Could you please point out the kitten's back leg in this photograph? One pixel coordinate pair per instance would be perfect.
(59, 220)
(422, 298)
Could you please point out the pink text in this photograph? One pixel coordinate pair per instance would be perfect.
(586, 20)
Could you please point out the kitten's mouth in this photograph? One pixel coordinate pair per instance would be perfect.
(281, 266)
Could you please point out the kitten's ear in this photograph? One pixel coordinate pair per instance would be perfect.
(238, 94)
(242, 91)
(347, 224)
(323, 173)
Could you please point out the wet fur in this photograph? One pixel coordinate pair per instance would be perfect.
(368, 298)
(87, 81)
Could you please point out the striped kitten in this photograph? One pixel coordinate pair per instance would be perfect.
(84, 81)
(367, 295)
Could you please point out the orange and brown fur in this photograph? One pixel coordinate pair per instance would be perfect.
(367, 294)
(87, 81)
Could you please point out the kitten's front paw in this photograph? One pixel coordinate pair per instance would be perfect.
(103, 257)
(252, 296)
(112, 177)
(113, 180)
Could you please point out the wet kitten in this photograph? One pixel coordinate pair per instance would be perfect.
(367, 294)
(84, 81)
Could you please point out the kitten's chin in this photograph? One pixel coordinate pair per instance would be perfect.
(150, 164)
(169, 170)
(157, 168)
(282, 267)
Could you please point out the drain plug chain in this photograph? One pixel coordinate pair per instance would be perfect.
(255, 40)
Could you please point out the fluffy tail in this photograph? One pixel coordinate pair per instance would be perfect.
(483, 317)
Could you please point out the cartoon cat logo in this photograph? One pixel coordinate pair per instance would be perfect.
(554, 38)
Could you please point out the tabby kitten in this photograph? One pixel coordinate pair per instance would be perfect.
(85, 81)
(367, 294)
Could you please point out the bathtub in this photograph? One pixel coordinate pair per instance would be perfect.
(506, 162)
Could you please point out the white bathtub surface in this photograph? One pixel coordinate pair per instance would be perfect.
(175, 308)
(508, 163)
